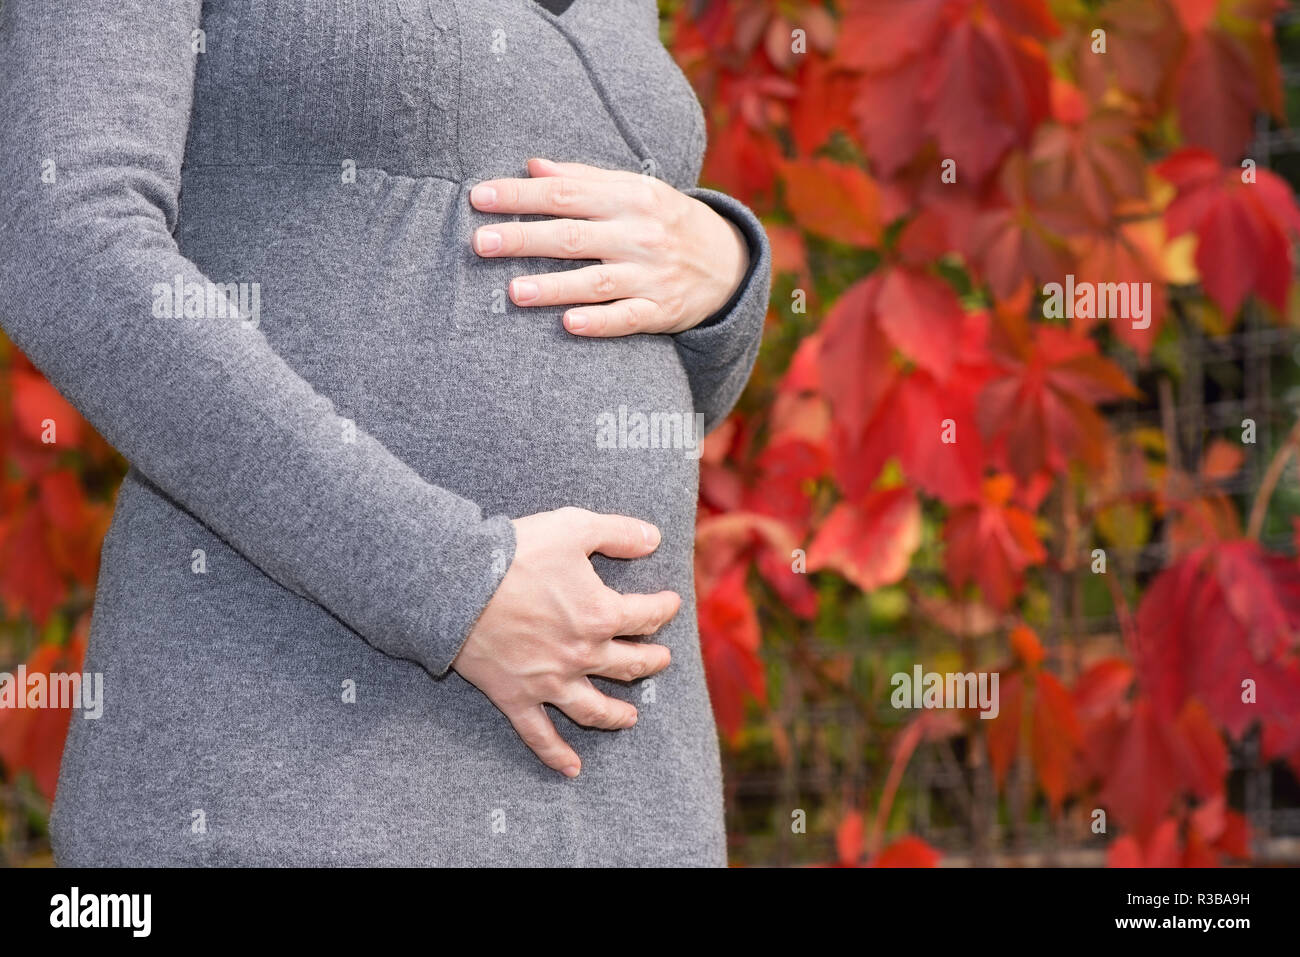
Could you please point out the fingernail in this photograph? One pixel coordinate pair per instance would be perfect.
(483, 196)
(571, 771)
(524, 290)
(650, 533)
(487, 241)
(577, 321)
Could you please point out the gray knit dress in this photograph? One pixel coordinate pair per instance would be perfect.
(319, 502)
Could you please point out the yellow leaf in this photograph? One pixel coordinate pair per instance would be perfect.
(1179, 260)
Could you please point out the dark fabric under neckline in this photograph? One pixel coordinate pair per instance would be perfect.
(556, 7)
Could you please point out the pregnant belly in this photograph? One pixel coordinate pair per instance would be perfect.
(370, 290)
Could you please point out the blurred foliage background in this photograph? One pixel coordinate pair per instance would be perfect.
(932, 468)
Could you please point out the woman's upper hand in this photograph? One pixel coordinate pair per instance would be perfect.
(667, 260)
(553, 622)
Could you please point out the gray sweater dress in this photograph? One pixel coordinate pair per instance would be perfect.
(321, 484)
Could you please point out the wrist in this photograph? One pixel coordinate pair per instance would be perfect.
(725, 259)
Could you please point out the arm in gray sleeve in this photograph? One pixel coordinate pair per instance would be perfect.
(719, 353)
(97, 98)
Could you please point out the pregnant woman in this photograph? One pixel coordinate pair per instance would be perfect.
(378, 297)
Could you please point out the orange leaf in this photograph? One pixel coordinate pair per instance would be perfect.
(833, 200)
(1026, 646)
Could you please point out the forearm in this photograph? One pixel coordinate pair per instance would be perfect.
(204, 407)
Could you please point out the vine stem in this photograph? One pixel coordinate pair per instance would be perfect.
(903, 749)
(1272, 475)
(1127, 625)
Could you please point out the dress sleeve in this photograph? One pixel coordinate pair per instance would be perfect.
(719, 353)
(93, 123)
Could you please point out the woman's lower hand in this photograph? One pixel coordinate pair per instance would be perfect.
(667, 260)
(553, 622)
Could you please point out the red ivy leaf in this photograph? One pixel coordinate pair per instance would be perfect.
(729, 640)
(870, 542)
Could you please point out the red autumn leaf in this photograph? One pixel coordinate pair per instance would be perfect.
(785, 471)
(1160, 849)
(924, 238)
(788, 251)
(1096, 163)
(907, 852)
(1124, 255)
(1216, 95)
(793, 588)
(1226, 75)
(1124, 852)
(1040, 412)
(1010, 241)
(833, 200)
(766, 502)
(854, 358)
(804, 371)
(75, 527)
(1218, 618)
(1148, 762)
(35, 402)
(880, 412)
(63, 500)
(930, 427)
(729, 640)
(987, 92)
(1146, 771)
(1055, 739)
(923, 318)
(822, 105)
(1220, 829)
(991, 543)
(743, 160)
(967, 75)
(849, 839)
(1143, 44)
(801, 416)
(885, 111)
(1102, 688)
(1201, 838)
(1049, 735)
(1005, 732)
(879, 34)
(723, 542)
(815, 22)
(31, 739)
(869, 542)
(1243, 229)
(30, 578)
(1195, 16)
(1208, 763)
